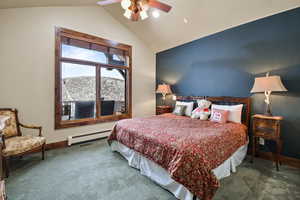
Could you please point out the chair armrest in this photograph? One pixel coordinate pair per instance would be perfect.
(32, 127)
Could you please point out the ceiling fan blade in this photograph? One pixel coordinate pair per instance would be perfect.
(107, 2)
(135, 16)
(159, 5)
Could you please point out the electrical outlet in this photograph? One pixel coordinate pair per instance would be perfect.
(261, 141)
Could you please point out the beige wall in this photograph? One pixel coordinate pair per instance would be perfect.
(27, 62)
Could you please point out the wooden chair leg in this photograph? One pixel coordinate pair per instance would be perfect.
(43, 152)
(3, 169)
(5, 166)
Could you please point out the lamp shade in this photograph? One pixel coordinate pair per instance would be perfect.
(269, 83)
(164, 89)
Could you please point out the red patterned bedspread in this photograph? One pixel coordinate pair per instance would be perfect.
(189, 149)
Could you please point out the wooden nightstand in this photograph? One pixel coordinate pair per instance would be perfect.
(163, 109)
(268, 128)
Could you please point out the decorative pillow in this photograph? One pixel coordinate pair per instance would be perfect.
(10, 129)
(3, 119)
(189, 107)
(220, 116)
(235, 111)
(179, 110)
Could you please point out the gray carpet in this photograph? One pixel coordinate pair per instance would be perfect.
(93, 172)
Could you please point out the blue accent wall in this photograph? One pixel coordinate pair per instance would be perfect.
(226, 63)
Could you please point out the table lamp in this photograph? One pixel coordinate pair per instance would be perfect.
(268, 85)
(164, 89)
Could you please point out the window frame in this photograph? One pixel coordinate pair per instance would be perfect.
(63, 32)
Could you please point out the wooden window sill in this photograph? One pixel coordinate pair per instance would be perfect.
(90, 121)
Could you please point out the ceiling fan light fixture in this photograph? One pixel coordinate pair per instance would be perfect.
(139, 9)
(128, 13)
(144, 14)
(144, 5)
(125, 4)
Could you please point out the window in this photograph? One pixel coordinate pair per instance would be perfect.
(92, 79)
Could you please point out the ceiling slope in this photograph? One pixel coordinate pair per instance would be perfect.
(205, 17)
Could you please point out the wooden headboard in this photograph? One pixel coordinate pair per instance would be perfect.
(225, 101)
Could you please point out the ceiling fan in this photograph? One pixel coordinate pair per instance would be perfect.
(137, 9)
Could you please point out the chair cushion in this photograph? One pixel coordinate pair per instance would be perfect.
(10, 124)
(21, 144)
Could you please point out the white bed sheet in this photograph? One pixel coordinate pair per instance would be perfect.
(161, 176)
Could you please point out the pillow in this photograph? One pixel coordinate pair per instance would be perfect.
(189, 107)
(235, 111)
(220, 116)
(179, 110)
(2, 121)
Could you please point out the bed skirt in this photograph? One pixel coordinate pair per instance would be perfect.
(161, 176)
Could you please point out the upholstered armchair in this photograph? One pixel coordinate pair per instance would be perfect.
(16, 144)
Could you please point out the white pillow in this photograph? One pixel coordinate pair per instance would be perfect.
(235, 112)
(2, 121)
(189, 107)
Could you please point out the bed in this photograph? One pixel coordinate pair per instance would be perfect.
(185, 156)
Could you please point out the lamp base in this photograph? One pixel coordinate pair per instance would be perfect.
(268, 114)
(268, 110)
(164, 99)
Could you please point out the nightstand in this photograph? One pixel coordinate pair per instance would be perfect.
(163, 109)
(268, 128)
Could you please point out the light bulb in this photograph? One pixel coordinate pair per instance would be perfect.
(155, 14)
(144, 4)
(125, 4)
(143, 14)
(185, 20)
(128, 13)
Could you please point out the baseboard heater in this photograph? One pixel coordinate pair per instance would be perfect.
(87, 137)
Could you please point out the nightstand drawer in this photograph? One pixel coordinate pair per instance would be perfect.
(266, 128)
(265, 135)
(265, 123)
(163, 109)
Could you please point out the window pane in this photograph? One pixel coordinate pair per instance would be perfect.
(69, 51)
(113, 90)
(78, 91)
(115, 59)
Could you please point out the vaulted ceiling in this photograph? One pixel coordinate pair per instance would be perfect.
(203, 17)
